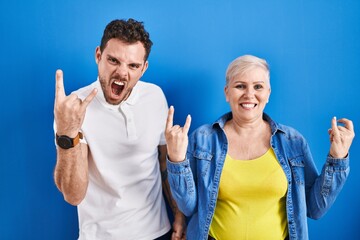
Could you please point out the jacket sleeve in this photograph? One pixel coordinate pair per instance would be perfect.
(322, 190)
(182, 185)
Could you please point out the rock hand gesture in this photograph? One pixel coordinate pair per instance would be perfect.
(69, 110)
(341, 137)
(176, 137)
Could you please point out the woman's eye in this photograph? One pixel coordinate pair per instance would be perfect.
(258, 86)
(240, 86)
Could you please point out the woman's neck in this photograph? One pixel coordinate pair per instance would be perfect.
(247, 140)
(245, 128)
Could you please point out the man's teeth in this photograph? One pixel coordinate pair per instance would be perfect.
(119, 83)
(248, 105)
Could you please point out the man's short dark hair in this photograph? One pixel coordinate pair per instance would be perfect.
(128, 31)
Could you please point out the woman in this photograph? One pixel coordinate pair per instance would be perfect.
(246, 176)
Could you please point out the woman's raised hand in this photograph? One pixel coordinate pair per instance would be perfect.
(341, 137)
(176, 137)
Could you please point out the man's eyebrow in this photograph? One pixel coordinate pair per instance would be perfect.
(129, 63)
(111, 56)
(136, 63)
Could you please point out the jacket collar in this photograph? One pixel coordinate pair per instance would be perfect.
(227, 116)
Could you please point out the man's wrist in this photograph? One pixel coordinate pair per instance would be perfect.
(66, 142)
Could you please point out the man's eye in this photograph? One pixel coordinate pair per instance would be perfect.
(112, 60)
(134, 66)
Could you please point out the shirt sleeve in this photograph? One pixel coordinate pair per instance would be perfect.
(163, 112)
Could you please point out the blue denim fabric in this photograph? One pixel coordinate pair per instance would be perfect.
(195, 181)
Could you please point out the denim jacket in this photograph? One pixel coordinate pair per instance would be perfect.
(195, 181)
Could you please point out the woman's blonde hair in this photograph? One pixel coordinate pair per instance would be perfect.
(245, 63)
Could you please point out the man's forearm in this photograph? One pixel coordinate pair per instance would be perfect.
(71, 173)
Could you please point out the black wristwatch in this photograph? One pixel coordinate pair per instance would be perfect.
(66, 142)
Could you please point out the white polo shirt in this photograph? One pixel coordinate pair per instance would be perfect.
(124, 198)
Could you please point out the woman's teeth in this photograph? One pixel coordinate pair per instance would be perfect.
(248, 105)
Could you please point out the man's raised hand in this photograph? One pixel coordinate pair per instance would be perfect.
(176, 137)
(69, 110)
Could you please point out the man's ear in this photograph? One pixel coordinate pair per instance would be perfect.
(97, 55)
(146, 65)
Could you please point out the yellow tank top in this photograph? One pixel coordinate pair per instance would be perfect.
(251, 202)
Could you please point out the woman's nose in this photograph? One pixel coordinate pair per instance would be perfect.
(249, 92)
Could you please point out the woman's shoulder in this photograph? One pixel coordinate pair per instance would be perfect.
(205, 129)
(287, 130)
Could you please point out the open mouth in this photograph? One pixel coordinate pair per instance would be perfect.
(117, 87)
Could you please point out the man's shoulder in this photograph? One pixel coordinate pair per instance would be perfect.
(149, 90)
(148, 86)
(85, 91)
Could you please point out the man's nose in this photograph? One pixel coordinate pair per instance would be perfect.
(122, 70)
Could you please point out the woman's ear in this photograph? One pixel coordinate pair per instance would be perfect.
(269, 95)
(226, 93)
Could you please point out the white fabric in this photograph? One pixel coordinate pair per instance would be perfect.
(124, 198)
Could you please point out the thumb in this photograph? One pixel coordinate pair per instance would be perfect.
(89, 98)
(187, 124)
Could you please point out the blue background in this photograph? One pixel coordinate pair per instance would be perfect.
(313, 49)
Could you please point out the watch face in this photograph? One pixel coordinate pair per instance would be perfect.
(64, 142)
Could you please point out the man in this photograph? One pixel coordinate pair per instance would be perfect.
(111, 144)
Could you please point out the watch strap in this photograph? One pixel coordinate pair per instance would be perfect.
(76, 140)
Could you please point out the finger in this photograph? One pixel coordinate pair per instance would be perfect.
(176, 235)
(331, 136)
(59, 87)
(73, 97)
(347, 124)
(187, 124)
(335, 130)
(170, 118)
(329, 131)
(89, 98)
